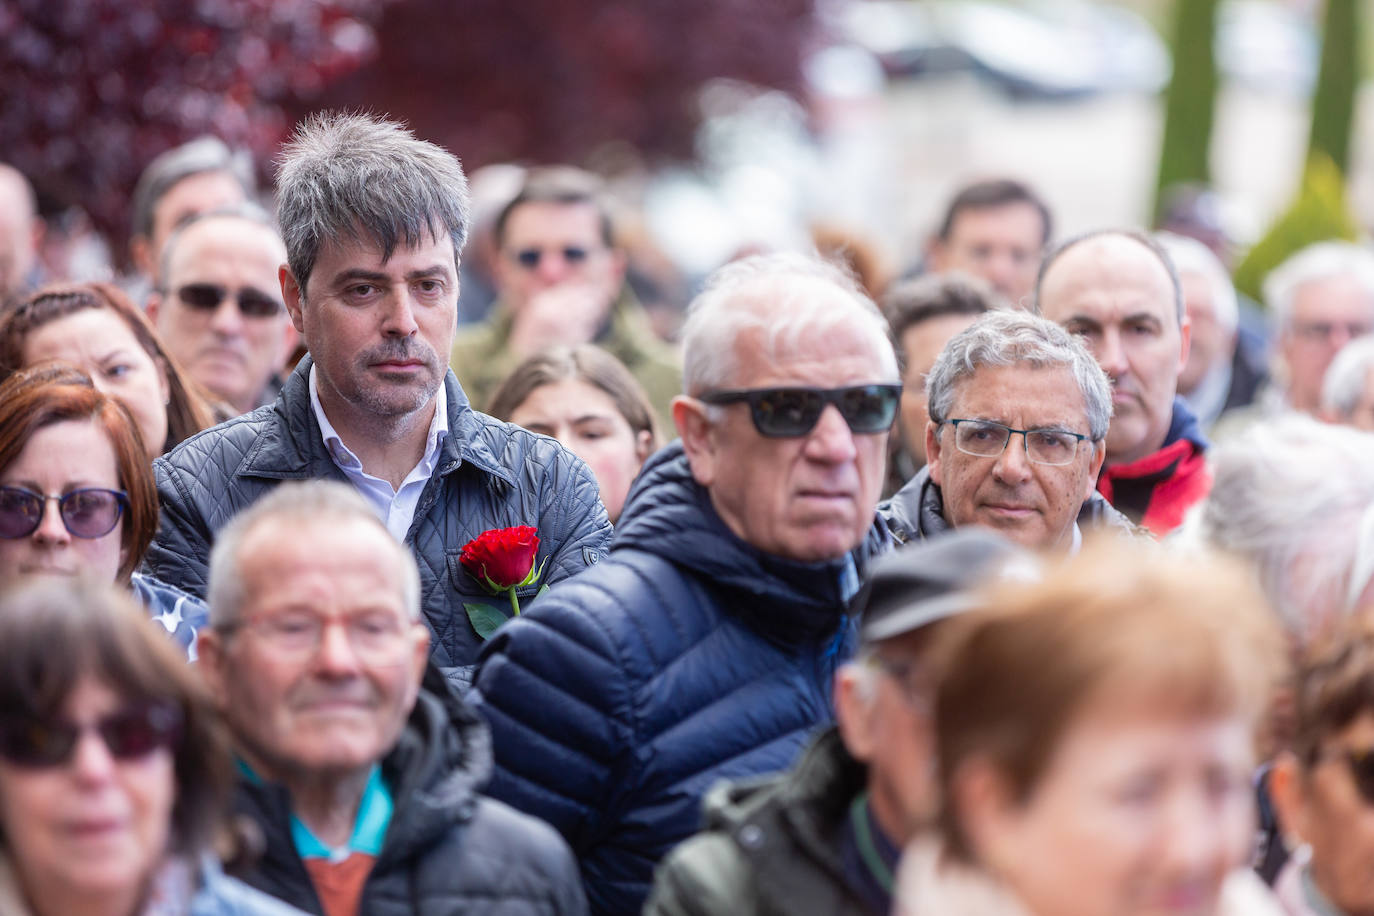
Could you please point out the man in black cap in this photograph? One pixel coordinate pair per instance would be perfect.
(824, 837)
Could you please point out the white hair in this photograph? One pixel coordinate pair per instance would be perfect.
(1322, 261)
(784, 296)
(1345, 379)
(1192, 257)
(294, 502)
(1296, 498)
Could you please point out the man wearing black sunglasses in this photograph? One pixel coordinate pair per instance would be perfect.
(218, 305)
(560, 279)
(705, 645)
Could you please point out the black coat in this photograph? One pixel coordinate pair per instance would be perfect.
(489, 475)
(448, 850)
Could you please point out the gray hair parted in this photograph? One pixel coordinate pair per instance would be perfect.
(294, 501)
(781, 296)
(1321, 261)
(346, 175)
(1009, 338)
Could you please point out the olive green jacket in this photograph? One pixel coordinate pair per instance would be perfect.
(481, 356)
(769, 848)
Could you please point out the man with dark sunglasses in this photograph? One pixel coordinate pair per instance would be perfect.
(218, 305)
(1018, 414)
(560, 280)
(705, 645)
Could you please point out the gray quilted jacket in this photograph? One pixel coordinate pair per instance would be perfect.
(490, 475)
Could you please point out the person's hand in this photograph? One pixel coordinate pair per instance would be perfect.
(568, 314)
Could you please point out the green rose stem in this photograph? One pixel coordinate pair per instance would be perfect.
(514, 603)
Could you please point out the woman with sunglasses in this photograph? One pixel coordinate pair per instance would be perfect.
(114, 769)
(97, 329)
(1322, 785)
(77, 495)
(586, 399)
(1117, 779)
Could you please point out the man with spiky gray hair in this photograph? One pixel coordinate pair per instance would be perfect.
(704, 646)
(1019, 411)
(374, 222)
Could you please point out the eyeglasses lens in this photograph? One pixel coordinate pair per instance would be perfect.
(86, 513)
(791, 412)
(253, 303)
(128, 734)
(529, 258)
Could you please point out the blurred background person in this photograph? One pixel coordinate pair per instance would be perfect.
(1116, 780)
(1227, 365)
(77, 494)
(21, 234)
(924, 314)
(1321, 299)
(1348, 388)
(560, 277)
(195, 177)
(1323, 782)
(1118, 290)
(218, 305)
(587, 400)
(1292, 496)
(97, 328)
(492, 187)
(997, 230)
(114, 768)
(856, 252)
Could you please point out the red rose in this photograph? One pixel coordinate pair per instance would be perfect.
(502, 558)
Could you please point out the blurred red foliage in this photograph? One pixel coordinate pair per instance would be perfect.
(92, 90)
(561, 80)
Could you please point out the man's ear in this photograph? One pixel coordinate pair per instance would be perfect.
(211, 661)
(933, 451)
(153, 307)
(291, 295)
(983, 803)
(644, 445)
(290, 337)
(1099, 455)
(698, 437)
(420, 636)
(853, 712)
(140, 252)
(1286, 792)
(1185, 338)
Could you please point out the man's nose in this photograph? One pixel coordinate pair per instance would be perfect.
(336, 656)
(1013, 465)
(1111, 353)
(228, 319)
(399, 317)
(831, 441)
(553, 267)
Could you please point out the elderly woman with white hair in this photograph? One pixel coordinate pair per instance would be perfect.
(1295, 497)
(1348, 389)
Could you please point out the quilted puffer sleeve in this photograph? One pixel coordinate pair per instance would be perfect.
(180, 552)
(559, 703)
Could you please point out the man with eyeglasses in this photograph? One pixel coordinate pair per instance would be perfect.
(363, 782)
(218, 305)
(703, 647)
(1018, 414)
(1118, 291)
(1321, 299)
(560, 280)
(825, 836)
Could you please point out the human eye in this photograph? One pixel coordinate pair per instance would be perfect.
(430, 287)
(1052, 441)
(982, 432)
(1138, 791)
(361, 292)
(292, 626)
(1142, 328)
(117, 370)
(1081, 329)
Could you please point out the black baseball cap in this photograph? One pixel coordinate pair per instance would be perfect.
(927, 581)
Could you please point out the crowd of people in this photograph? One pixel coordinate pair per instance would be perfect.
(1030, 582)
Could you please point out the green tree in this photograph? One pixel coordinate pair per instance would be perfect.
(1333, 104)
(1191, 99)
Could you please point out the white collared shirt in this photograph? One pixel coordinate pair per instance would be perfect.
(396, 508)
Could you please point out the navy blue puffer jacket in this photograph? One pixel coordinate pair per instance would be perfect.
(685, 657)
